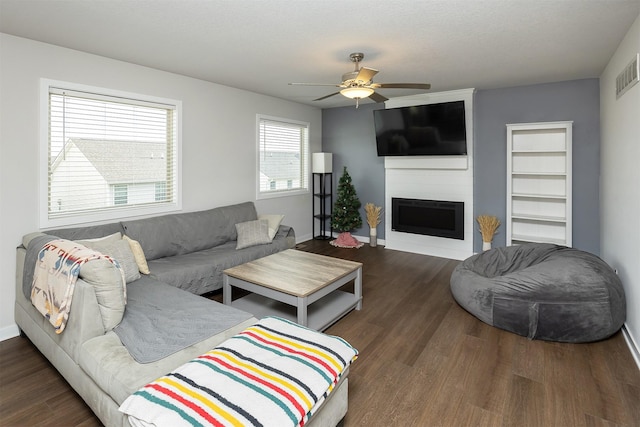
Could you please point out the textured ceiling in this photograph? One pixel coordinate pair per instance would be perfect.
(261, 46)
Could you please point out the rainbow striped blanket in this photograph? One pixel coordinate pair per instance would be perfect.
(274, 373)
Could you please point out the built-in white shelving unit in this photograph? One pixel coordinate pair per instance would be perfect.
(539, 183)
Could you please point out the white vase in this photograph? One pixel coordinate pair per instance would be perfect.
(486, 246)
(373, 237)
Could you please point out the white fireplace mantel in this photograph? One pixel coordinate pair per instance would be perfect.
(432, 178)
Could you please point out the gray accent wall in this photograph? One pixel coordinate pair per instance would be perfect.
(578, 101)
(348, 133)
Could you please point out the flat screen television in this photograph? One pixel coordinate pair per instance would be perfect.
(422, 130)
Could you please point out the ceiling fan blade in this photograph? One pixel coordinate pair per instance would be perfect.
(314, 84)
(327, 96)
(377, 97)
(425, 86)
(366, 74)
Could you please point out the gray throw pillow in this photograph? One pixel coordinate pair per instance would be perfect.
(107, 284)
(252, 233)
(119, 250)
(274, 223)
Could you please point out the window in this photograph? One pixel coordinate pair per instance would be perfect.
(161, 191)
(283, 160)
(108, 154)
(120, 194)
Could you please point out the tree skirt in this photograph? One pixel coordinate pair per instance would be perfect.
(346, 240)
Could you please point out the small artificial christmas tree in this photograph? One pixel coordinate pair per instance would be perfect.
(346, 216)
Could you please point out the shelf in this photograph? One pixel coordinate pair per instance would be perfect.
(543, 137)
(539, 183)
(554, 174)
(539, 196)
(536, 239)
(322, 205)
(544, 218)
(539, 162)
(320, 237)
(540, 151)
(320, 314)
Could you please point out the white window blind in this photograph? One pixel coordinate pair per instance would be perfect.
(109, 155)
(283, 161)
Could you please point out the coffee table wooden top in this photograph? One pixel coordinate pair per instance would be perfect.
(294, 272)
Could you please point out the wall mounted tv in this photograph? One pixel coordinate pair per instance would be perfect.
(422, 130)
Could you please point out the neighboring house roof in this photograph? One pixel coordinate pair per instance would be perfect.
(120, 162)
(279, 165)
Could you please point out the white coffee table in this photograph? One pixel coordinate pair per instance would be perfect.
(300, 286)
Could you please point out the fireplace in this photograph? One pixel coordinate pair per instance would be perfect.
(428, 217)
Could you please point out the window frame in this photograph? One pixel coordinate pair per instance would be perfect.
(117, 212)
(305, 160)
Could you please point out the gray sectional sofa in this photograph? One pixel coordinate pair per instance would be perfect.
(108, 350)
(190, 250)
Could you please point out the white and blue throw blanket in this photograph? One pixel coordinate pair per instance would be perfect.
(274, 373)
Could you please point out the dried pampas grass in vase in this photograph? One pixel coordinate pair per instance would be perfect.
(488, 225)
(373, 219)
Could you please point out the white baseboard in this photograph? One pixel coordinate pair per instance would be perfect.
(300, 239)
(631, 343)
(9, 332)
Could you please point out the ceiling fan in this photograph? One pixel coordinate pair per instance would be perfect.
(358, 83)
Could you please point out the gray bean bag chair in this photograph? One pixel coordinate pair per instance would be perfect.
(542, 291)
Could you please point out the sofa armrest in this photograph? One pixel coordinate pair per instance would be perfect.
(85, 321)
(285, 231)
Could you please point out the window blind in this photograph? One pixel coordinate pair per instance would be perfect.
(109, 153)
(283, 156)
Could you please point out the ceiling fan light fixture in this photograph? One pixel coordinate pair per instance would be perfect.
(356, 92)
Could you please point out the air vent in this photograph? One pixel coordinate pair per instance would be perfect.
(628, 77)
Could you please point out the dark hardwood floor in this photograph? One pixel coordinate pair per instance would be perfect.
(424, 361)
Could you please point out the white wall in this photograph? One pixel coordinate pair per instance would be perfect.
(447, 178)
(620, 178)
(218, 140)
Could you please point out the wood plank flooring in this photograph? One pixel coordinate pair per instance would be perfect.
(424, 361)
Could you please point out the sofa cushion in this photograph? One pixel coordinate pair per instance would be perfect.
(235, 214)
(252, 233)
(118, 249)
(138, 254)
(274, 223)
(178, 234)
(186, 319)
(110, 365)
(103, 240)
(201, 272)
(89, 232)
(106, 280)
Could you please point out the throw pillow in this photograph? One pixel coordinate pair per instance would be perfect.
(106, 280)
(118, 250)
(106, 240)
(252, 233)
(138, 254)
(274, 222)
